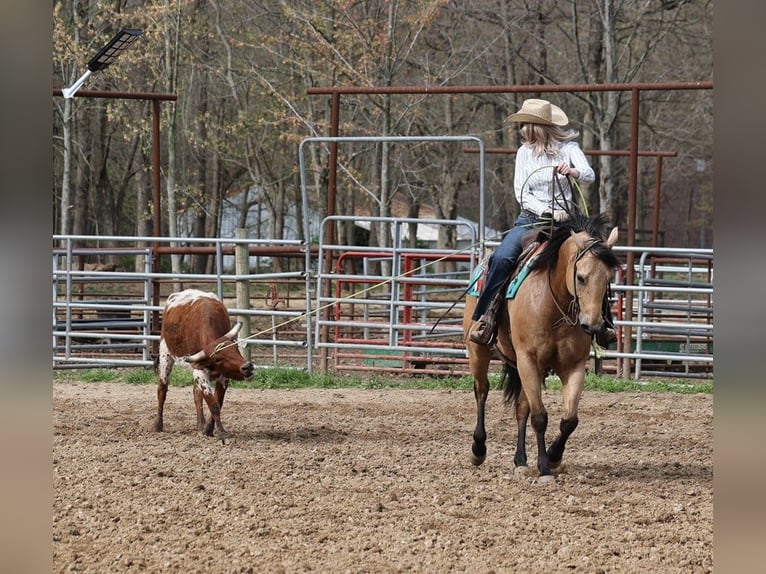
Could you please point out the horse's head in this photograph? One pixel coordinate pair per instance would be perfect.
(589, 271)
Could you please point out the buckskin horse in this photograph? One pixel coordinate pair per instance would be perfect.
(546, 327)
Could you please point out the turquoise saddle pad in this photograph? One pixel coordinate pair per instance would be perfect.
(478, 276)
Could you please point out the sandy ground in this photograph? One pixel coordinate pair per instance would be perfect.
(375, 481)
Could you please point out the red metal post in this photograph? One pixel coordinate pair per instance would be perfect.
(156, 200)
(657, 199)
(157, 227)
(331, 206)
(624, 363)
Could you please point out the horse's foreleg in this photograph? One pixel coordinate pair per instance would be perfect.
(531, 385)
(540, 424)
(572, 385)
(556, 450)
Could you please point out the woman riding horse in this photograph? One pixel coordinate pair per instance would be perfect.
(548, 326)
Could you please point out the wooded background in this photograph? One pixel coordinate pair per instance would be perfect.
(241, 69)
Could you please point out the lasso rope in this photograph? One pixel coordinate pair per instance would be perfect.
(571, 180)
(273, 328)
(222, 346)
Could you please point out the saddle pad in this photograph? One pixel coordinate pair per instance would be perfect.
(476, 284)
(479, 275)
(513, 286)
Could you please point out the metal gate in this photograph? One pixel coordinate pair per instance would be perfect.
(394, 308)
(102, 314)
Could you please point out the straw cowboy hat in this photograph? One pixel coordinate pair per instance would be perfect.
(539, 112)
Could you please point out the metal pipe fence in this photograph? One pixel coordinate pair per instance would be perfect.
(102, 314)
(404, 316)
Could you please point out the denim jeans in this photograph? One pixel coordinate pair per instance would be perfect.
(503, 260)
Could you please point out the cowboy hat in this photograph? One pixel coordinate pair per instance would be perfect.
(539, 112)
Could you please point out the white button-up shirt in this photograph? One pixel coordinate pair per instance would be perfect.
(533, 178)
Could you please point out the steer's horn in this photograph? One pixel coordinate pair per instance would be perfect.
(196, 357)
(233, 331)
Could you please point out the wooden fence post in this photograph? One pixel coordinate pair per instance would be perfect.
(242, 267)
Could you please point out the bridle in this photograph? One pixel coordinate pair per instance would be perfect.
(574, 304)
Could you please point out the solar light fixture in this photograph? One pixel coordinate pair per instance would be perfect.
(105, 57)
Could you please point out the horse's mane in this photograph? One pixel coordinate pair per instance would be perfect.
(596, 227)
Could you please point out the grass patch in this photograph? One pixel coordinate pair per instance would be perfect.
(100, 376)
(609, 384)
(288, 378)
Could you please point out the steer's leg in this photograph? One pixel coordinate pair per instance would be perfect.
(221, 384)
(164, 367)
(198, 406)
(202, 383)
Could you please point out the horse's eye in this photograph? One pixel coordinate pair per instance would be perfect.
(581, 279)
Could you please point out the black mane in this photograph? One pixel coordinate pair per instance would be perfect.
(597, 227)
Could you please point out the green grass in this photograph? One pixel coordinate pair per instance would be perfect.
(287, 378)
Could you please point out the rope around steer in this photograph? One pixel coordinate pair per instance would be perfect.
(273, 328)
(222, 346)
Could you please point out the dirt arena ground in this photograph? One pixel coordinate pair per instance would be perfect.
(375, 481)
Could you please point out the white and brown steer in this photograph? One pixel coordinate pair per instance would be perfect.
(196, 329)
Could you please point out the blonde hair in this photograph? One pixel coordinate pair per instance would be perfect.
(545, 139)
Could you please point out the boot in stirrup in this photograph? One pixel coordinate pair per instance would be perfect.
(607, 334)
(483, 330)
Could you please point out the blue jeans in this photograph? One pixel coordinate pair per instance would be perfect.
(503, 260)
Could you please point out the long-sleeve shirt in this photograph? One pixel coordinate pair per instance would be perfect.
(532, 185)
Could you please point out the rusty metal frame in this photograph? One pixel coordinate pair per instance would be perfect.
(634, 88)
(642, 153)
(155, 98)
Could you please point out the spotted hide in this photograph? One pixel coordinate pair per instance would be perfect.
(196, 329)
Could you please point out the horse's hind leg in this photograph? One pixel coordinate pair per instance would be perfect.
(514, 394)
(540, 424)
(522, 416)
(479, 360)
(479, 446)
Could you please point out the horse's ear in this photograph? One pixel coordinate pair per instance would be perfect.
(612, 239)
(580, 239)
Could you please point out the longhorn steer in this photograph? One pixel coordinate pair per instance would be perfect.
(196, 329)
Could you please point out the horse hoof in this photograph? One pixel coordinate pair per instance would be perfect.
(521, 471)
(221, 435)
(477, 460)
(546, 479)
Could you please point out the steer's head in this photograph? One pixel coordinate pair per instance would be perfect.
(221, 357)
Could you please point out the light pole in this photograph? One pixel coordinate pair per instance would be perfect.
(105, 56)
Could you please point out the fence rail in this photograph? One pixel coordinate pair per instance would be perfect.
(395, 309)
(108, 314)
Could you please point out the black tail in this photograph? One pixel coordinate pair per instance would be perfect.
(511, 384)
